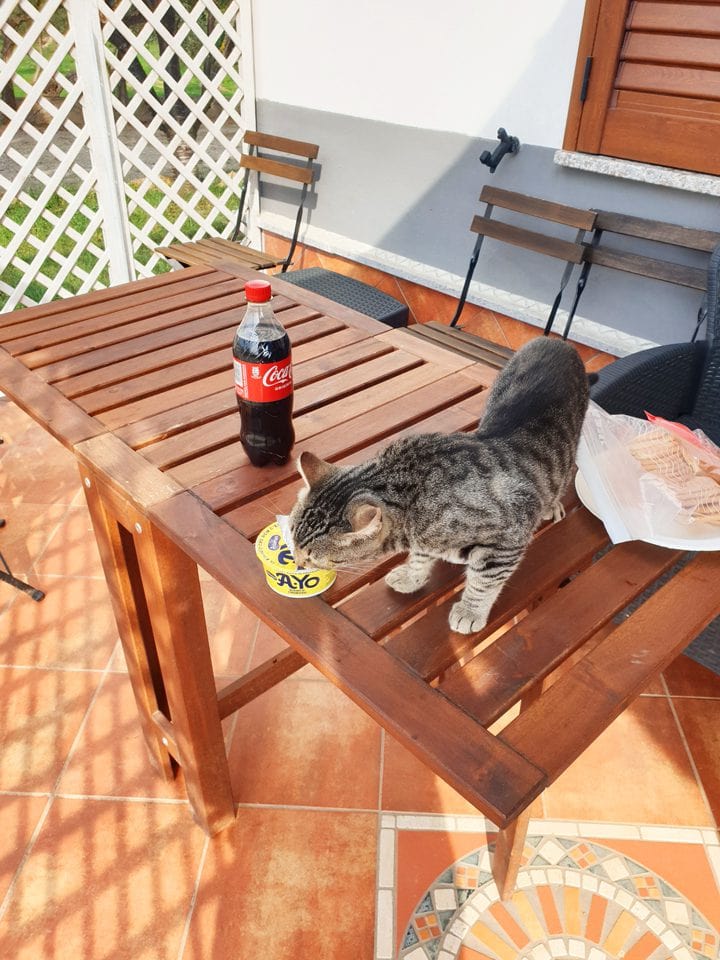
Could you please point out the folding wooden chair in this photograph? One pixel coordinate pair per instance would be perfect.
(266, 157)
(569, 250)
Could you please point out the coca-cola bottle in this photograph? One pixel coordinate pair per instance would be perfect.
(263, 379)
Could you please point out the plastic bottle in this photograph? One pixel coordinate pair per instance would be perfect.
(263, 379)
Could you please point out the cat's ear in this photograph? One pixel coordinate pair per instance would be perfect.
(366, 518)
(313, 469)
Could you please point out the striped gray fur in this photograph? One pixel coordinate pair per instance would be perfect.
(469, 498)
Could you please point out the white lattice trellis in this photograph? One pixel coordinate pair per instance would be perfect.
(120, 129)
(178, 136)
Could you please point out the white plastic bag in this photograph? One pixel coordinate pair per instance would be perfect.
(646, 477)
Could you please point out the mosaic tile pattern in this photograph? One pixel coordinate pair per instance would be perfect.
(574, 899)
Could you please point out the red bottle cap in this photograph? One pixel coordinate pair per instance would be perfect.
(258, 291)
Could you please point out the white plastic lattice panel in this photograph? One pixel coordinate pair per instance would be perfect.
(175, 72)
(51, 230)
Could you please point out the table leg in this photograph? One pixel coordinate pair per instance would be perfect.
(117, 552)
(510, 841)
(172, 589)
(508, 854)
(157, 601)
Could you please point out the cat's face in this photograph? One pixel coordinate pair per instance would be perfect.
(330, 527)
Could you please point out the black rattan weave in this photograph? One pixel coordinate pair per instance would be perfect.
(681, 382)
(351, 293)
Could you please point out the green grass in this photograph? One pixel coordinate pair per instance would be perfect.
(193, 87)
(64, 247)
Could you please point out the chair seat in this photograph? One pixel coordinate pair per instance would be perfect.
(214, 250)
(352, 293)
(463, 343)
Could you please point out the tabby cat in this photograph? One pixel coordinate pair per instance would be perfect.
(467, 498)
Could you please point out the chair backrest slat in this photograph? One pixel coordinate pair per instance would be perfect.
(276, 168)
(642, 229)
(542, 209)
(520, 237)
(656, 269)
(298, 148)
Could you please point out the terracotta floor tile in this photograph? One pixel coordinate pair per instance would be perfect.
(19, 817)
(516, 332)
(686, 678)
(409, 785)
(40, 714)
(232, 629)
(110, 758)
(637, 771)
(483, 323)
(305, 743)
(422, 855)
(287, 885)
(14, 423)
(73, 626)
(28, 528)
(684, 865)
(599, 360)
(36, 468)
(700, 721)
(72, 550)
(426, 304)
(268, 644)
(105, 879)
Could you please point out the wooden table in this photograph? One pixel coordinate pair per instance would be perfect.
(137, 381)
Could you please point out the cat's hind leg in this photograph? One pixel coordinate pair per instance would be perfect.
(411, 575)
(487, 571)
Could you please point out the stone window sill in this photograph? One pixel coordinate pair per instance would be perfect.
(644, 172)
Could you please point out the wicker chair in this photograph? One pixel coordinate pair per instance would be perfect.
(680, 381)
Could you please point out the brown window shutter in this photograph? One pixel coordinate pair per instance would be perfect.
(652, 87)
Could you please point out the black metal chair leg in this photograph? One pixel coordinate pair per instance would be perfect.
(6, 576)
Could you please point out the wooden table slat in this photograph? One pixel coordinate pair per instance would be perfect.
(83, 371)
(557, 552)
(160, 373)
(568, 717)
(126, 325)
(497, 677)
(226, 430)
(233, 487)
(98, 300)
(47, 331)
(378, 610)
(45, 404)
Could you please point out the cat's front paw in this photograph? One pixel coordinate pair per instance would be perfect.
(556, 513)
(404, 580)
(464, 619)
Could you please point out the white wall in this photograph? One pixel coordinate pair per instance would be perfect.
(467, 66)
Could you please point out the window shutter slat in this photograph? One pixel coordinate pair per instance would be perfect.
(668, 79)
(672, 49)
(686, 18)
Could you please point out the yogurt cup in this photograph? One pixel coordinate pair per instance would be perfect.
(281, 571)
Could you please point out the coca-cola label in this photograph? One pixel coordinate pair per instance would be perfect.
(263, 382)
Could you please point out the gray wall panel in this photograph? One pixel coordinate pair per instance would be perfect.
(414, 192)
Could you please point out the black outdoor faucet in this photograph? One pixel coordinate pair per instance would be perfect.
(507, 144)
